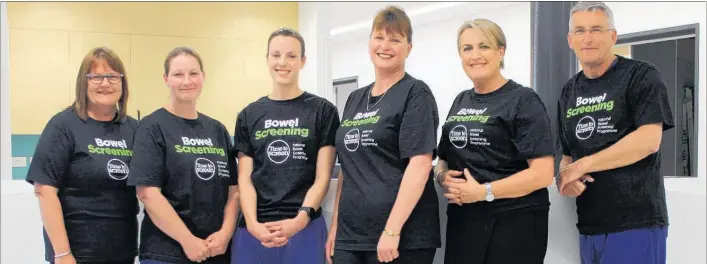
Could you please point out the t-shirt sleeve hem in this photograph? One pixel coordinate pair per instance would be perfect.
(243, 150)
(536, 155)
(41, 180)
(411, 153)
(327, 143)
(144, 183)
(666, 123)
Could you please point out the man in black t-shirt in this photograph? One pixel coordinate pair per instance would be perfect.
(611, 117)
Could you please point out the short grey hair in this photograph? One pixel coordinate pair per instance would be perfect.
(593, 6)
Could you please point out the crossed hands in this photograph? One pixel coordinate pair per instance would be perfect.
(198, 249)
(278, 233)
(571, 179)
(461, 190)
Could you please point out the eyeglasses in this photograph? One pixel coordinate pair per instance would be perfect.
(98, 78)
(593, 31)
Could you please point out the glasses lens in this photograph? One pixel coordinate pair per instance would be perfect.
(98, 79)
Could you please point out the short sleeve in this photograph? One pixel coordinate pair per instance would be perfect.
(418, 128)
(328, 125)
(242, 136)
(442, 148)
(231, 156)
(648, 101)
(561, 134)
(147, 163)
(52, 156)
(444, 138)
(532, 132)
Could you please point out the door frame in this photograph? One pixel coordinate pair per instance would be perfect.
(675, 33)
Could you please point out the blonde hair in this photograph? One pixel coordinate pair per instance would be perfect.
(393, 20)
(491, 31)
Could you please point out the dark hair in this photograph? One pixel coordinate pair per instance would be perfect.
(394, 20)
(181, 51)
(287, 32)
(95, 56)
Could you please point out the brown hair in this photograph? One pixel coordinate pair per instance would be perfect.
(491, 31)
(287, 32)
(91, 59)
(393, 20)
(181, 51)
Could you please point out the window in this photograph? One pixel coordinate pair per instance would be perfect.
(674, 52)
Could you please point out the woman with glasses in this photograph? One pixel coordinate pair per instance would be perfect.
(495, 159)
(80, 166)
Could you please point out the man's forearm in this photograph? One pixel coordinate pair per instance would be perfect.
(632, 148)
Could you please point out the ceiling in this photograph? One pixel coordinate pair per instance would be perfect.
(344, 14)
(357, 16)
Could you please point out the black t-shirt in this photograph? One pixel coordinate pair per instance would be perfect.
(284, 138)
(375, 142)
(88, 162)
(593, 114)
(494, 135)
(190, 160)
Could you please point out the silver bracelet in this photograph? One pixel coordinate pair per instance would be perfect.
(62, 254)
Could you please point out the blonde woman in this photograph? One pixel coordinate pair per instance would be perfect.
(495, 159)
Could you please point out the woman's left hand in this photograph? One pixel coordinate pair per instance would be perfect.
(388, 248)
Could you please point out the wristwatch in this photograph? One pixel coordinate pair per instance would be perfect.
(489, 193)
(309, 210)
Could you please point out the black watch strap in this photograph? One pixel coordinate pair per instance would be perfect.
(311, 213)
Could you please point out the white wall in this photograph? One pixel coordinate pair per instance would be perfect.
(21, 225)
(5, 150)
(314, 26)
(686, 196)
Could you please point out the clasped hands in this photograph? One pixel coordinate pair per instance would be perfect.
(461, 190)
(198, 249)
(277, 233)
(571, 179)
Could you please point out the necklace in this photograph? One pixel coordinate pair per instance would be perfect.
(368, 102)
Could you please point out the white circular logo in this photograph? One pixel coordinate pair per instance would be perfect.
(585, 127)
(352, 139)
(278, 151)
(458, 136)
(117, 169)
(204, 169)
